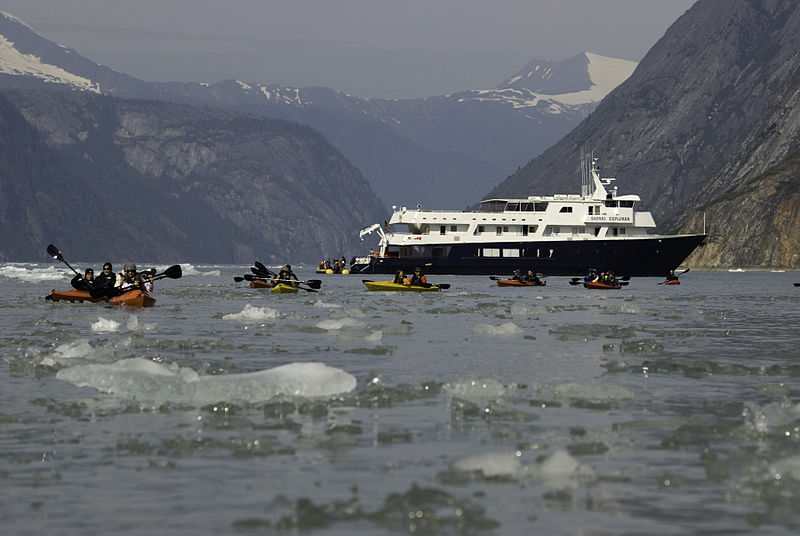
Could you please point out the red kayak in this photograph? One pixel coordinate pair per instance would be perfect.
(257, 283)
(515, 283)
(598, 285)
(132, 298)
(673, 282)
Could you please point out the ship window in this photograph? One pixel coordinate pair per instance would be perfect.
(626, 204)
(524, 230)
(479, 229)
(526, 207)
(511, 252)
(437, 253)
(537, 253)
(498, 230)
(611, 203)
(442, 229)
(453, 228)
(533, 228)
(490, 252)
(493, 206)
(591, 210)
(614, 231)
(540, 207)
(512, 207)
(566, 209)
(597, 231)
(622, 230)
(403, 252)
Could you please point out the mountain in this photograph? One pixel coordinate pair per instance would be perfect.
(107, 178)
(443, 151)
(708, 110)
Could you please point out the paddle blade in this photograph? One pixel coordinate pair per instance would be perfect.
(173, 272)
(444, 286)
(238, 279)
(263, 268)
(53, 252)
(624, 278)
(313, 283)
(576, 282)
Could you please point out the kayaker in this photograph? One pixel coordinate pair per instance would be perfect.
(517, 276)
(400, 277)
(591, 277)
(107, 278)
(530, 277)
(610, 279)
(130, 279)
(671, 276)
(418, 278)
(285, 276)
(85, 282)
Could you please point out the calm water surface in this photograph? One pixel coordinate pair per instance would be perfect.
(476, 410)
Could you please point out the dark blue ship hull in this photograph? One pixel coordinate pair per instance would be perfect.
(651, 256)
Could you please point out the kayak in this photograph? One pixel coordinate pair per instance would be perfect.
(283, 288)
(388, 285)
(673, 282)
(132, 298)
(598, 285)
(514, 283)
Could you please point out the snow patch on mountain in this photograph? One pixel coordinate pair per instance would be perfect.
(606, 74)
(15, 63)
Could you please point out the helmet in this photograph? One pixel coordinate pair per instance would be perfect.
(129, 267)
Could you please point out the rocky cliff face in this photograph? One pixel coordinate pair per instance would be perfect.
(753, 209)
(164, 182)
(686, 109)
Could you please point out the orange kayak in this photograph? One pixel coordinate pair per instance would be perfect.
(132, 298)
(514, 283)
(256, 283)
(598, 285)
(673, 282)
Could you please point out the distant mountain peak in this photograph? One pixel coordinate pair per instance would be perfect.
(587, 77)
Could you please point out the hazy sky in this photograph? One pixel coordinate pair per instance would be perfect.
(370, 48)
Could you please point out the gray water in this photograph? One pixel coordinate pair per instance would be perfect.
(476, 410)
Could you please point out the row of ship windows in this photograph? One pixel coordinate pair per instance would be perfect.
(531, 229)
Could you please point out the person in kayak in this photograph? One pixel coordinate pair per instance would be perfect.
(671, 276)
(418, 278)
(609, 279)
(400, 277)
(517, 276)
(285, 276)
(591, 277)
(85, 282)
(131, 279)
(107, 279)
(531, 277)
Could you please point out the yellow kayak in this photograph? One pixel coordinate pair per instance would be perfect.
(283, 288)
(388, 285)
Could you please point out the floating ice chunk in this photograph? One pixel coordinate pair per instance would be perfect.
(135, 325)
(762, 418)
(348, 336)
(148, 381)
(562, 471)
(788, 467)
(23, 273)
(340, 323)
(319, 304)
(104, 324)
(188, 270)
(503, 330)
(253, 314)
(478, 391)
(76, 349)
(494, 464)
(593, 392)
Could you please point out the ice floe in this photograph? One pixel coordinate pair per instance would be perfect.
(503, 330)
(251, 313)
(340, 323)
(105, 324)
(150, 382)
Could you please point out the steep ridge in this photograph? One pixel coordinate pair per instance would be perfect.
(686, 109)
(166, 182)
